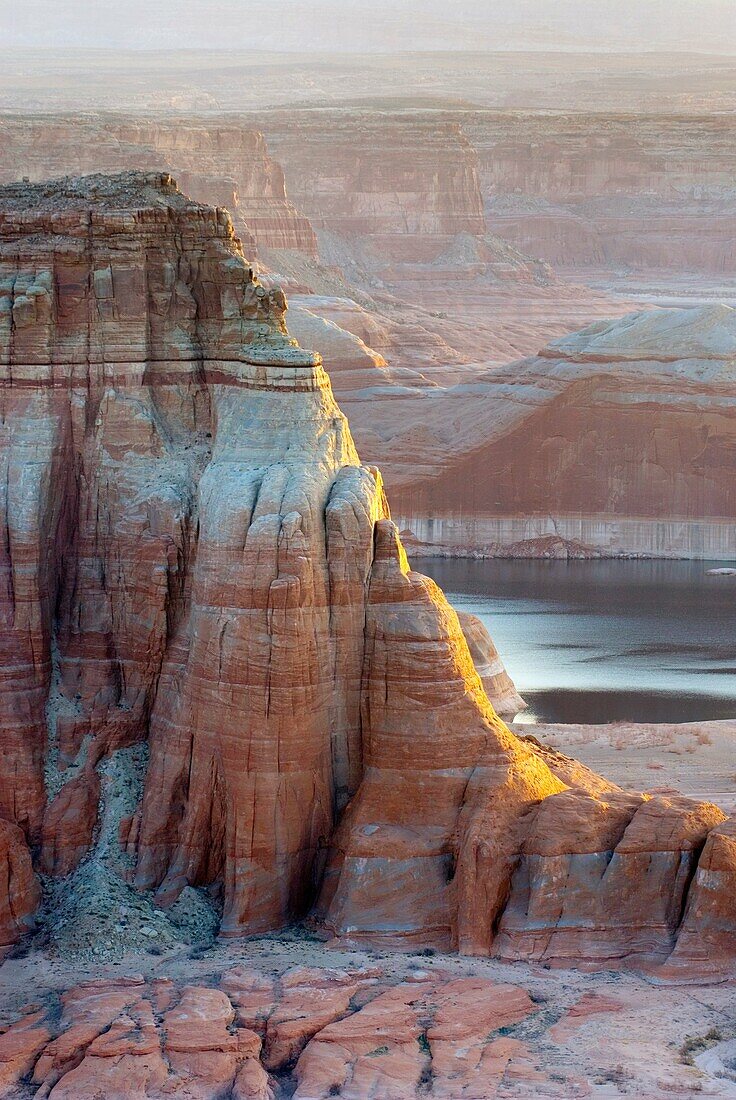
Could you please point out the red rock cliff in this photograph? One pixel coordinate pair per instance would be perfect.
(217, 162)
(403, 189)
(615, 439)
(194, 557)
(629, 192)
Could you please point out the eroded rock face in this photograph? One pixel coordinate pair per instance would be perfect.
(611, 440)
(498, 685)
(405, 189)
(414, 1036)
(622, 444)
(131, 1038)
(395, 199)
(627, 848)
(195, 558)
(128, 1038)
(648, 193)
(288, 1011)
(219, 163)
(19, 890)
(119, 299)
(406, 1032)
(707, 932)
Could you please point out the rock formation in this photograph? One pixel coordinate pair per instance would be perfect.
(632, 192)
(497, 684)
(265, 1032)
(195, 558)
(611, 441)
(218, 162)
(254, 1036)
(406, 190)
(395, 199)
(616, 439)
(19, 888)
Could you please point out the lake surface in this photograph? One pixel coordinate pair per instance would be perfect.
(600, 641)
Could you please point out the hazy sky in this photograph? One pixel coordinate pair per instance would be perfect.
(704, 25)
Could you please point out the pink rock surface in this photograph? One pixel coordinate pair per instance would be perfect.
(223, 164)
(197, 558)
(409, 1033)
(20, 1046)
(637, 192)
(114, 1039)
(424, 194)
(417, 1037)
(289, 1011)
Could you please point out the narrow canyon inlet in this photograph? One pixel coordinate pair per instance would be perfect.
(264, 832)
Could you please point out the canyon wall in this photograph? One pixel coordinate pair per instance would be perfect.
(402, 188)
(215, 161)
(616, 439)
(633, 193)
(395, 197)
(386, 187)
(420, 346)
(224, 686)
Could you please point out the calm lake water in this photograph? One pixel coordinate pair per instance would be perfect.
(597, 641)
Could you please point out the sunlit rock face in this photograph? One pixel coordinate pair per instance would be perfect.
(217, 162)
(498, 685)
(203, 586)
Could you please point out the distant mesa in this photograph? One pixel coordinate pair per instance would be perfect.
(615, 440)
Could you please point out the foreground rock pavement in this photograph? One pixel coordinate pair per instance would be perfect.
(366, 1029)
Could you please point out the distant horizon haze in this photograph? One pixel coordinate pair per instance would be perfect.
(360, 26)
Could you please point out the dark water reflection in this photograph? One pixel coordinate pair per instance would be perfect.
(605, 640)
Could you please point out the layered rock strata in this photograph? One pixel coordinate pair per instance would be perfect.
(632, 193)
(216, 162)
(617, 439)
(395, 199)
(497, 684)
(405, 189)
(611, 441)
(195, 558)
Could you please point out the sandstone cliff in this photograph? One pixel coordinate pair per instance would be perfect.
(616, 439)
(195, 559)
(217, 162)
(623, 192)
(498, 685)
(395, 198)
(403, 189)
